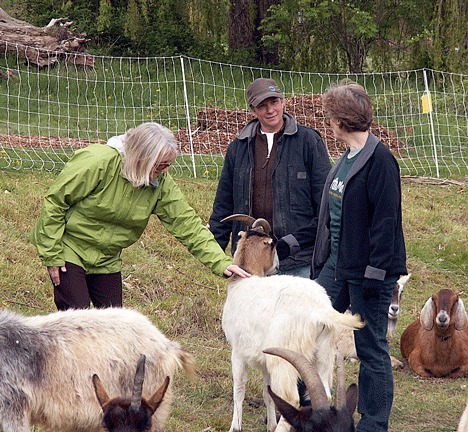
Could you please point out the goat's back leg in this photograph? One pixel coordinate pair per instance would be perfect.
(284, 379)
(270, 405)
(325, 358)
(239, 377)
(283, 426)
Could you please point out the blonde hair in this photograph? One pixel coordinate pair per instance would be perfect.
(146, 146)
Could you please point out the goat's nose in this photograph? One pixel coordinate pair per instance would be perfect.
(443, 319)
(394, 308)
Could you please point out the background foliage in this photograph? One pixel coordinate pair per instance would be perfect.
(308, 35)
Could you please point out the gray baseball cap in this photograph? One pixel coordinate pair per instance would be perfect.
(261, 89)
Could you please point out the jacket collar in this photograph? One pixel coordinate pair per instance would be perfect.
(117, 142)
(250, 129)
(366, 152)
(364, 156)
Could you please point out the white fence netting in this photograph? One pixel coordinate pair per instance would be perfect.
(50, 112)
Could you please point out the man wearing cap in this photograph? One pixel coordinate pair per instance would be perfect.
(274, 169)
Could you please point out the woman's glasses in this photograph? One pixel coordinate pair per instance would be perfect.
(162, 166)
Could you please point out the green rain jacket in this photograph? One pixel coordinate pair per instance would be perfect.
(92, 212)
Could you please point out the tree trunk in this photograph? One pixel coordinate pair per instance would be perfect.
(265, 55)
(244, 28)
(240, 25)
(43, 46)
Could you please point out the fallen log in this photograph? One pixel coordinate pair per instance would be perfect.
(43, 46)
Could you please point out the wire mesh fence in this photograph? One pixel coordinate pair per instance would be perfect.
(50, 112)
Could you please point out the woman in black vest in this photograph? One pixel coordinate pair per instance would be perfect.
(360, 252)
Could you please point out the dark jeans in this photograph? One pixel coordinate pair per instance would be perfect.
(77, 289)
(299, 271)
(375, 372)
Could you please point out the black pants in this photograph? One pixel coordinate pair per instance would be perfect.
(77, 289)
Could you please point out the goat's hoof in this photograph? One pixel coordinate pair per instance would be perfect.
(396, 364)
(278, 417)
(256, 402)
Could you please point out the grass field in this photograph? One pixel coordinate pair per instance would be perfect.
(185, 300)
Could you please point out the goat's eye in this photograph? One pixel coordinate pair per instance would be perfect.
(454, 308)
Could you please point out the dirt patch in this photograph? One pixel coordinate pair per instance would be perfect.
(215, 128)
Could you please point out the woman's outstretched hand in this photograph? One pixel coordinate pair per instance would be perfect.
(235, 269)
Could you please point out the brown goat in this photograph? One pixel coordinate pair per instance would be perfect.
(133, 414)
(436, 345)
(259, 258)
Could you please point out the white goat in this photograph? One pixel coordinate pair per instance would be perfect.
(345, 342)
(47, 363)
(463, 425)
(277, 311)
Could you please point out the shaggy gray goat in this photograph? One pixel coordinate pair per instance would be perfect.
(47, 363)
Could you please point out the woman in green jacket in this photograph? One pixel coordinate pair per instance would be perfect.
(101, 203)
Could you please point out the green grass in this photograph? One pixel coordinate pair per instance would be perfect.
(185, 300)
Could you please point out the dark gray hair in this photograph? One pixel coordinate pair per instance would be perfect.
(349, 103)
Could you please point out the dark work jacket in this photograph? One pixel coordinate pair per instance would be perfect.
(302, 165)
(371, 243)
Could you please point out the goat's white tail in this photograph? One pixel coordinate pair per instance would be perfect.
(351, 321)
(188, 363)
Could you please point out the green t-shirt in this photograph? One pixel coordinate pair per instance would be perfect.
(335, 195)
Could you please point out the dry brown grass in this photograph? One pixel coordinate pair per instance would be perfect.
(185, 300)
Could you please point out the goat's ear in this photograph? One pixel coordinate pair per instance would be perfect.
(290, 413)
(158, 396)
(427, 315)
(402, 281)
(351, 398)
(461, 318)
(101, 393)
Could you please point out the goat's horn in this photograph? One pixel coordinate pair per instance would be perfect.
(308, 372)
(138, 382)
(340, 398)
(248, 220)
(263, 223)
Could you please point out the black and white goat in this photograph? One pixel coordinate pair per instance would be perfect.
(131, 414)
(47, 363)
(320, 416)
(395, 305)
(280, 311)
